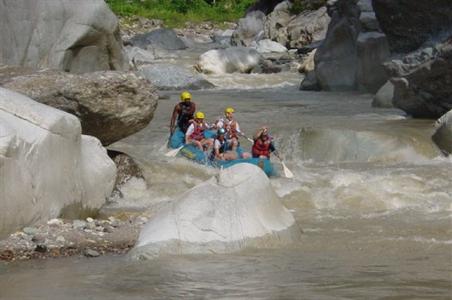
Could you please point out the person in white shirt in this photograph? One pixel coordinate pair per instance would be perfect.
(231, 126)
(222, 148)
(195, 133)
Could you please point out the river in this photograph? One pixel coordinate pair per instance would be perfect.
(371, 193)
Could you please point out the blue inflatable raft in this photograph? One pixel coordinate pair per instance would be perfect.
(193, 153)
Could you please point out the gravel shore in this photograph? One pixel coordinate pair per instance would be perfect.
(60, 238)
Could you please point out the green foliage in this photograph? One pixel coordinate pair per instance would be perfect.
(176, 12)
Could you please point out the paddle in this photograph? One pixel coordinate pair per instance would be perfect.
(173, 153)
(287, 172)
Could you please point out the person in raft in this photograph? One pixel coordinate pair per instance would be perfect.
(222, 149)
(230, 124)
(195, 132)
(263, 144)
(183, 112)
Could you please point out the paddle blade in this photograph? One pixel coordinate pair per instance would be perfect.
(288, 173)
(173, 153)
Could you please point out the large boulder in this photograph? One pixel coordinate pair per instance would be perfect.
(422, 81)
(308, 27)
(350, 57)
(162, 38)
(443, 134)
(47, 168)
(409, 24)
(110, 105)
(74, 36)
(249, 29)
(336, 60)
(238, 209)
(229, 60)
(174, 77)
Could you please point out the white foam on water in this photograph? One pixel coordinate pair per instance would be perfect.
(253, 81)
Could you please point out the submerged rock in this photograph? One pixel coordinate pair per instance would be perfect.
(235, 210)
(174, 77)
(74, 36)
(230, 60)
(110, 105)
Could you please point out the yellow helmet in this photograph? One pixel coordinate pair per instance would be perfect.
(228, 110)
(185, 96)
(199, 115)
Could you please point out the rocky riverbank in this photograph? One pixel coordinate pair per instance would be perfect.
(63, 237)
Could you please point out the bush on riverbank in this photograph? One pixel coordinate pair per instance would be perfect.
(176, 12)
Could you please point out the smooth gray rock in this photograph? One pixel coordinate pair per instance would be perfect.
(336, 60)
(383, 98)
(46, 165)
(91, 253)
(249, 29)
(174, 77)
(110, 105)
(162, 38)
(229, 60)
(74, 36)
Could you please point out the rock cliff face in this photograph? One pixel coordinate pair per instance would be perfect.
(408, 24)
(75, 36)
(46, 165)
(110, 105)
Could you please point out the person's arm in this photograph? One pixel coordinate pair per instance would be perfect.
(189, 132)
(259, 133)
(216, 147)
(176, 111)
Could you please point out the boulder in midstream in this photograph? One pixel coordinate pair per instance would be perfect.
(236, 210)
(230, 60)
